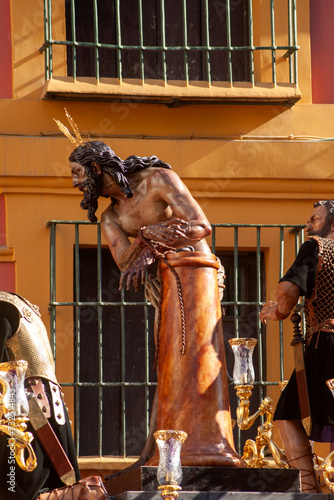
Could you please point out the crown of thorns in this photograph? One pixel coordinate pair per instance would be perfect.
(76, 139)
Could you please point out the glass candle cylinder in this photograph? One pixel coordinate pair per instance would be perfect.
(169, 443)
(13, 400)
(243, 372)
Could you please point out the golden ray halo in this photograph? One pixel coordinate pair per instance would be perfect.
(76, 139)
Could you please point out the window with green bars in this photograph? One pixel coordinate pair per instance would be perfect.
(174, 40)
(113, 341)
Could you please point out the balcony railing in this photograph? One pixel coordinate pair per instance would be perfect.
(236, 41)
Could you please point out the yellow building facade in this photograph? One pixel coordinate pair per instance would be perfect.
(251, 152)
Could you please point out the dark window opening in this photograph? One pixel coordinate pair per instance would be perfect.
(248, 318)
(180, 63)
(124, 355)
(122, 360)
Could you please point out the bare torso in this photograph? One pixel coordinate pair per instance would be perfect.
(143, 209)
(158, 196)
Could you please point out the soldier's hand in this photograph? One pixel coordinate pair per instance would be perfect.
(268, 311)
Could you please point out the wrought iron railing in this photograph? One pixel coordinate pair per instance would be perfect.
(106, 299)
(220, 12)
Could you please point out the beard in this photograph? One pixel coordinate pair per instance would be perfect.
(93, 187)
(324, 231)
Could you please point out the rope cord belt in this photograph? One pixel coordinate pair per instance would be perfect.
(160, 251)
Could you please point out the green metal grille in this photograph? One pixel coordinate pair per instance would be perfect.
(207, 48)
(281, 231)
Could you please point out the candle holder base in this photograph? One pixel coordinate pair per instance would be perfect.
(169, 491)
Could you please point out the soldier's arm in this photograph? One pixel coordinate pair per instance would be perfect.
(287, 297)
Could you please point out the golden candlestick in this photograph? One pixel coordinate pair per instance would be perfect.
(19, 443)
(243, 376)
(14, 410)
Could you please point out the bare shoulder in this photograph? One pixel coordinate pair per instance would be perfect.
(108, 216)
(112, 230)
(163, 177)
(158, 174)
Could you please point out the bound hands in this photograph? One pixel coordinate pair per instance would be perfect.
(135, 274)
(168, 232)
(172, 233)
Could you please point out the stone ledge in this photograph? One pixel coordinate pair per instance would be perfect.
(211, 479)
(227, 495)
(173, 93)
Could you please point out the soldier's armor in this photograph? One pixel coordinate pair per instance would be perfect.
(319, 308)
(30, 340)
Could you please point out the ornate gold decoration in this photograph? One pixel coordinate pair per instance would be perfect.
(245, 341)
(14, 409)
(169, 491)
(33, 307)
(20, 441)
(282, 384)
(179, 435)
(327, 469)
(27, 314)
(330, 384)
(254, 450)
(77, 140)
(243, 375)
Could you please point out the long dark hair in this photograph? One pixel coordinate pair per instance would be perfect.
(103, 155)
